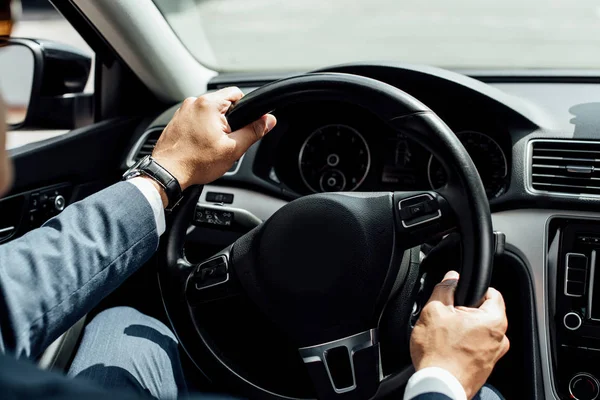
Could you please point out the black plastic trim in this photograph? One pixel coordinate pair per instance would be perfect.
(534, 359)
(86, 30)
(83, 155)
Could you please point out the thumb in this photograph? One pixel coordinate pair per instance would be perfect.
(444, 291)
(252, 133)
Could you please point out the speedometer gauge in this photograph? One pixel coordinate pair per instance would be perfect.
(334, 158)
(488, 158)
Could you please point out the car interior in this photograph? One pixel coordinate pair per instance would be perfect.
(324, 241)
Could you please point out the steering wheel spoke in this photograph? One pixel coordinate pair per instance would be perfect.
(349, 367)
(212, 280)
(421, 216)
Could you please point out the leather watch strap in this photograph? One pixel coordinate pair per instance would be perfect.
(149, 167)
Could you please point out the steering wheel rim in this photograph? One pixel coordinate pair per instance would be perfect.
(464, 197)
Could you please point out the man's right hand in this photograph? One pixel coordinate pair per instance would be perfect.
(197, 146)
(467, 342)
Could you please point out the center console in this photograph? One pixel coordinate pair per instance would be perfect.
(574, 306)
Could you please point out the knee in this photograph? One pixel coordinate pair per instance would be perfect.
(127, 319)
(488, 392)
(125, 348)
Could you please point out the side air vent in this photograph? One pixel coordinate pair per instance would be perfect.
(144, 146)
(566, 167)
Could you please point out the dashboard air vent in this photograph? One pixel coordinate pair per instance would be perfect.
(145, 146)
(566, 167)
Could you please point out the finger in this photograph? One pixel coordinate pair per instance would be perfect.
(493, 303)
(505, 346)
(444, 291)
(451, 275)
(187, 103)
(252, 133)
(231, 94)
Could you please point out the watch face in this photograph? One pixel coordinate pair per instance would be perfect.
(132, 173)
(144, 162)
(135, 170)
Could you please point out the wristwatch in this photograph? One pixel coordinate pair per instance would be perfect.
(150, 168)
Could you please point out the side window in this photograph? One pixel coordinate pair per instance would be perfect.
(40, 20)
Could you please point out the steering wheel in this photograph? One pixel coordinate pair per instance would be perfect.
(324, 267)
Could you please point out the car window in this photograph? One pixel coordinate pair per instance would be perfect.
(40, 20)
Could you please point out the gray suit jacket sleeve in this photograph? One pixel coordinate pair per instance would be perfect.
(52, 276)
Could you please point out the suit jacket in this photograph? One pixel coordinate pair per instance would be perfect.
(54, 275)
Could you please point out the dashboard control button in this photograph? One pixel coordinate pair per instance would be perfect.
(575, 288)
(576, 272)
(34, 200)
(584, 386)
(59, 203)
(572, 321)
(576, 260)
(215, 197)
(576, 275)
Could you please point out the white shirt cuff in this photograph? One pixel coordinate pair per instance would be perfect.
(153, 197)
(434, 380)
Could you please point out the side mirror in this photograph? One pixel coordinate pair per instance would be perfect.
(17, 68)
(42, 84)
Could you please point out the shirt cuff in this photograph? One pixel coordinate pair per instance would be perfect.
(434, 380)
(153, 197)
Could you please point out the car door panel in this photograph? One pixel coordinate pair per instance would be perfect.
(56, 172)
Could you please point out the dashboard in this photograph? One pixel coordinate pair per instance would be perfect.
(343, 148)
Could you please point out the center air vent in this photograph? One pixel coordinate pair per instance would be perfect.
(565, 166)
(144, 146)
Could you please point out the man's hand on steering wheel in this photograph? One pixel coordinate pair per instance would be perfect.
(467, 342)
(198, 146)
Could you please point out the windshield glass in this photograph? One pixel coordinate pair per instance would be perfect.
(249, 35)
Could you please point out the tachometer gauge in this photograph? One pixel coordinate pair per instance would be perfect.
(488, 158)
(334, 158)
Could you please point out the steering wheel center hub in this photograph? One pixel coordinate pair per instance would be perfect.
(314, 248)
(323, 260)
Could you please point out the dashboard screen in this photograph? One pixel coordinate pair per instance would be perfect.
(401, 163)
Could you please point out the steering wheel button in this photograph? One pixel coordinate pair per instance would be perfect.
(431, 206)
(220, 271)
(417, 210)
(405, 213)
(340, 367)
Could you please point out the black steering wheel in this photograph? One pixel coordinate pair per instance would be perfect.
(324, 266)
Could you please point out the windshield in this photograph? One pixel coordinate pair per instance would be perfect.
(250, 35)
